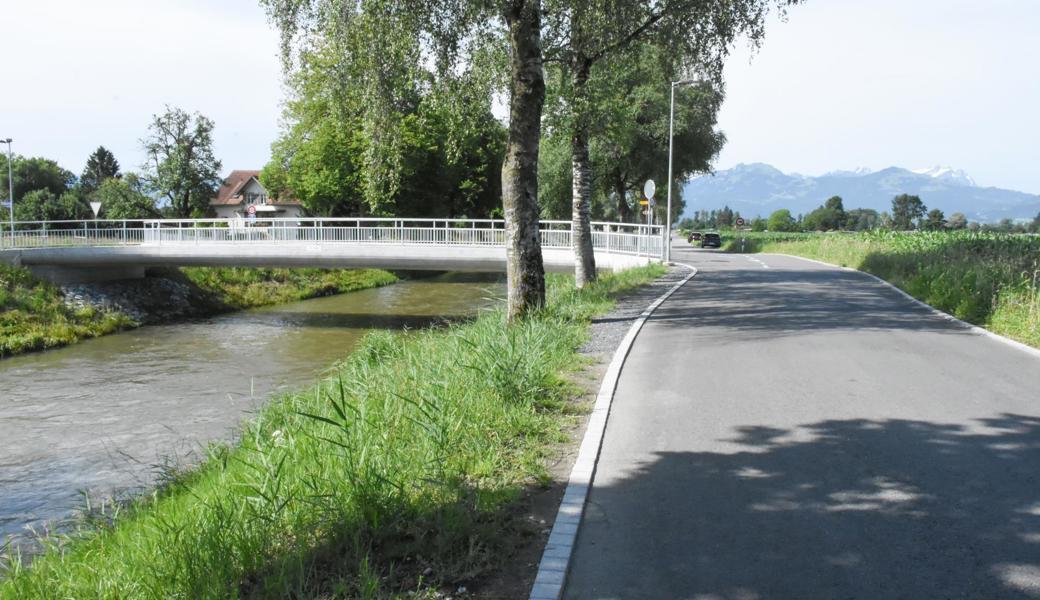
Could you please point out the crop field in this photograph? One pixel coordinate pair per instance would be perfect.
(988, 279)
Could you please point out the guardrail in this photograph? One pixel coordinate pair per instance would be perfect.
(622, 238)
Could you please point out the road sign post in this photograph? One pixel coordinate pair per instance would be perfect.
(648, 192)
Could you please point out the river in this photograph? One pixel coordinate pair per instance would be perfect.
(105, 417)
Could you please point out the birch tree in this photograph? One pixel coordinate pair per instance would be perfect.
(384, 42)
(582, 33)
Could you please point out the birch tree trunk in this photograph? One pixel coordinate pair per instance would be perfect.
(525, 273)
(581, 181)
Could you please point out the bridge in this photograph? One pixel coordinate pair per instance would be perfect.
(98, 250)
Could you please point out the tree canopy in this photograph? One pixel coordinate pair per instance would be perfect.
(101, 165)
(181, 167)
(907, 210)
(31, 174)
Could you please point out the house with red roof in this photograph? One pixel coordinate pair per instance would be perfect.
(241, 194)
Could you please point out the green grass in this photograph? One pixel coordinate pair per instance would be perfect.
(989, 279)
(240, 288)
(407, 459)
(33, 315)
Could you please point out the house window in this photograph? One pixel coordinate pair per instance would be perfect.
(256, 199)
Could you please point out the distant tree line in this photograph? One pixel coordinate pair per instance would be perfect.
(179, 179)
(908, 213)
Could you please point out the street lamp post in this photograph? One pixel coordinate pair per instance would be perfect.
(671, 127)
(10, 185)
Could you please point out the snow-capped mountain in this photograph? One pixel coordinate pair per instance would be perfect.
(955, 176)
(857, 172)
(759, 189)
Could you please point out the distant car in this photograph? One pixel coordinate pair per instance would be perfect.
(711, 240)
(694, 237)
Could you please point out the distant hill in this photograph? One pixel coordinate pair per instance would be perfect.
(759, 189)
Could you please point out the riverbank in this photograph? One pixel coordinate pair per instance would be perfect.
(35, 315)
(988, 279)
(397, 473)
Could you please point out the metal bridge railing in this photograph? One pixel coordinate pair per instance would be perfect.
(622, 238)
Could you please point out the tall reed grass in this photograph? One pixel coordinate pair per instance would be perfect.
(989, 279)
(400, 467)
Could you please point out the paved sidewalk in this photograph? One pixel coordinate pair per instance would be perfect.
(783, 429)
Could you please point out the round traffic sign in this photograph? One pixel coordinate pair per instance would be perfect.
(740, 221)
(649, 188)
(251, 209)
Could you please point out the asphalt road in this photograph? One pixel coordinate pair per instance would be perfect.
(783, 429)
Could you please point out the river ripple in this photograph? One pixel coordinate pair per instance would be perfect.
(99, 417)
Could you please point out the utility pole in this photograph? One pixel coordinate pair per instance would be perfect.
(671, 130)
(10, 185)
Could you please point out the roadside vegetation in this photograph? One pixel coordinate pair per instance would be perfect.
(241, 288)
(988, 279)
(33, 315)
(396, 473)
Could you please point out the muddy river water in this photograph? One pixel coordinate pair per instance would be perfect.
(102, 417)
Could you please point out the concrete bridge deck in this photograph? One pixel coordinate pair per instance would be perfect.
(92, 251)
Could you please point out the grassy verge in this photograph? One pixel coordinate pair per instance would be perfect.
(240, 288)
(394, 474)
(33, 315)
(989, 279)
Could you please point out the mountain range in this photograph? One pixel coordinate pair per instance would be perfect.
(759, 189)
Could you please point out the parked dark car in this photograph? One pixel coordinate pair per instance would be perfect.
(711, 240)
(694, 237)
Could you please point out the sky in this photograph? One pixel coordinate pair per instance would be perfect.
(841, 84)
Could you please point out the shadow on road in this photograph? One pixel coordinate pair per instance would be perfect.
(837, 509)
(772, 303)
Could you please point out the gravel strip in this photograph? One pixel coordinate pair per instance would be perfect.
(608, 330)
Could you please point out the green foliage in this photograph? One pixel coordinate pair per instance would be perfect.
(123, 198)
(781, 220)
(936, 220)
(31, 174)
(33, 315)
(44, 205)
(906, 211)
(409, 456)
(181, 166)
(446, 158)
(862, 219)
(957, 221)
(101, 165)
(629, 135)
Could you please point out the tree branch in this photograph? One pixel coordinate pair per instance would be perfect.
(628, 38)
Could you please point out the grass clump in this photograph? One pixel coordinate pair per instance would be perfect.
(396, 472)
(34, 316)
(240, 288)
(989, 279)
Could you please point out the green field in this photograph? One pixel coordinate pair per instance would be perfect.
(989, 279)
(397, 472)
